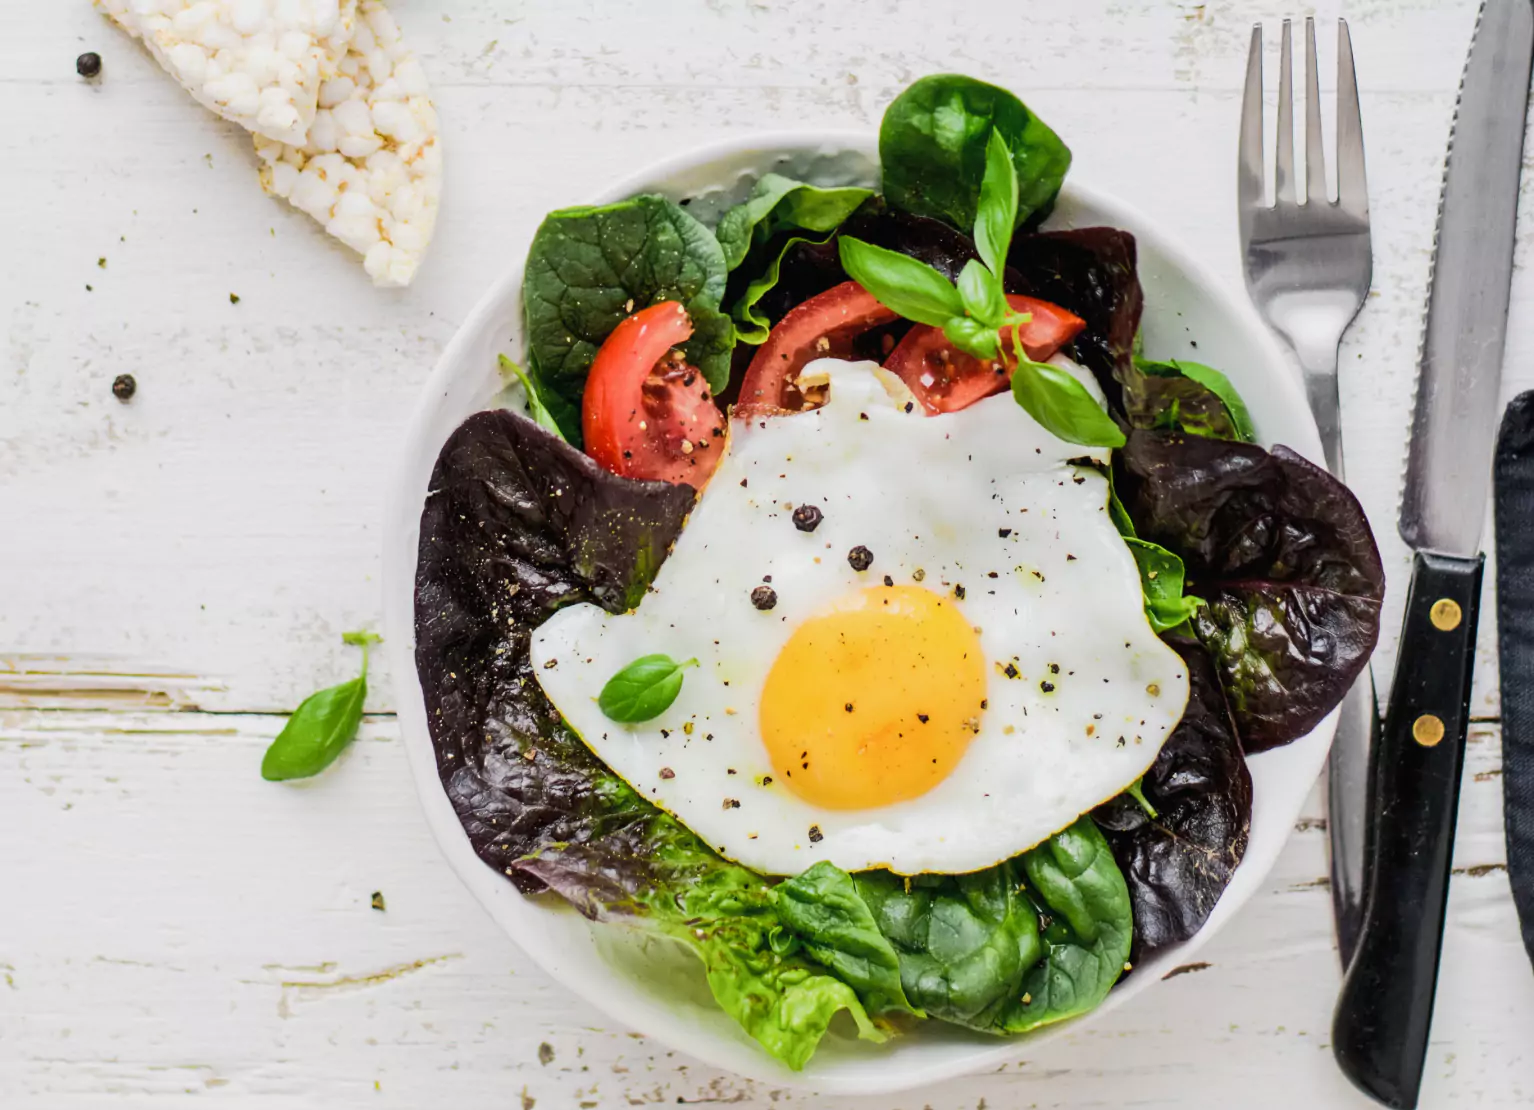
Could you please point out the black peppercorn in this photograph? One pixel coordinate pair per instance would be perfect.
(88, 65)
(124, 387)
(860, 558)
(807, 518)
(764, 597)
(816, 836)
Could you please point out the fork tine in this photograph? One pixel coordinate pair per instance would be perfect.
(1352, 187)
(1251, 191)
(1283, 162)
(1315, 160)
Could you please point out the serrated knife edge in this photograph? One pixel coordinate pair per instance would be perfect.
(1448, 464)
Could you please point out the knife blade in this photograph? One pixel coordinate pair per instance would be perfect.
(1384, 1010)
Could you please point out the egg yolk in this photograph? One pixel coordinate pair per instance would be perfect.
(874, 700)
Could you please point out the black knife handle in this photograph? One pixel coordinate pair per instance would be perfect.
(1380, 1028)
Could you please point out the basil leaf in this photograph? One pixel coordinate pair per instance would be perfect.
(322, 725)
(779, 204)
(537, 411)
(590, 267)
(973, 337)
(981, 293)
(996, 213)
(644, 689)
(823, 906)
(900, 283)
(932, 149)
(1062, 405)
(1161, 580)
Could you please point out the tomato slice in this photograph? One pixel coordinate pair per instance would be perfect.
(646, 413)
(945, 379)
(822, 327)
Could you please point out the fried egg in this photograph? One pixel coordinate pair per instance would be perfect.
(920, 642)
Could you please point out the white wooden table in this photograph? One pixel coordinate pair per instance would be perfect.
(175, 573)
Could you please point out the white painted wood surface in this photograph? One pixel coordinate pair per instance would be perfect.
(175, 573)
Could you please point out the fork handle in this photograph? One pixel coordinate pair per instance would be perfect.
(1318, 361)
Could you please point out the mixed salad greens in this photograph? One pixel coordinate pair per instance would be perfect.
(1258, 568)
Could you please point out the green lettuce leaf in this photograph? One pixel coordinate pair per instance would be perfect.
(778, 204)
(773, 220)
(751, 324)
(1162, 574)
(590, 267)
(1161, 581)
(1189, 397)
(733, 921)
(932, 145)
(822, 906)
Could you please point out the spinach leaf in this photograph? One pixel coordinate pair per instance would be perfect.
(517, 525)
(322, 726)
(522, 389)
(778, 204)
(644, 689)
(932, 146)
(823, 907)
(1179, 860)
(1087, 927)
(1284, 557)
(590, 267)
(1029, 942)
(964, 941)
(1062, 405)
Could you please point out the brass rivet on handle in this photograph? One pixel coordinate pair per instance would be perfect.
(1427, 730)
(1446, 614)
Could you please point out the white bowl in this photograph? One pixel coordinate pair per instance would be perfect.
(649, 985)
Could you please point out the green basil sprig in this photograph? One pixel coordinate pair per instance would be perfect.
(974, 312)
(644, 689)
(322, 725)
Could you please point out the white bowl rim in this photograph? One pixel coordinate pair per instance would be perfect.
(1304, 757)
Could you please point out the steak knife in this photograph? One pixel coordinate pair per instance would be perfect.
(1380, 1027)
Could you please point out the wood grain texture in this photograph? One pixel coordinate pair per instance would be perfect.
(177, 571)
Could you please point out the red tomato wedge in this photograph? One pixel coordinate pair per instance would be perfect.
(646, 413)
(822, 327)
(945, 379)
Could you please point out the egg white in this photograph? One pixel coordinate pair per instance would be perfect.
(1057, 598)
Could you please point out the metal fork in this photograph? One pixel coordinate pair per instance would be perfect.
(1308, 268)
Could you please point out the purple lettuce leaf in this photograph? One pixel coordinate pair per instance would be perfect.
(1284, 556)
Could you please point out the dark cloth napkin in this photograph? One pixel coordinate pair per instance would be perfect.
(1513, 488)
